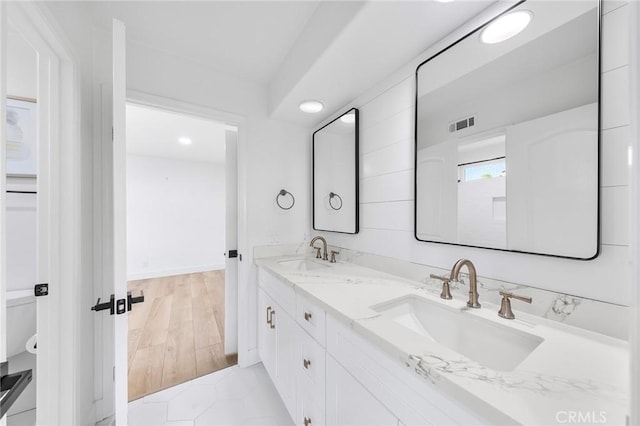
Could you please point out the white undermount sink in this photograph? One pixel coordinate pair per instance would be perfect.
(301, 264)
(491, 344)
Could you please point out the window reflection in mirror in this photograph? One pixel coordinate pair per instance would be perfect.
(507, 137)
(335, 175)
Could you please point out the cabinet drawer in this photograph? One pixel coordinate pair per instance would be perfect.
(312, 319)
(310, 364)
(284, 294)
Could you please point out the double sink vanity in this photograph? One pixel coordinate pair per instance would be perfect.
(346, 344)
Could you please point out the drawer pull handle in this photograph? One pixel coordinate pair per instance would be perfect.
(268, 314)
(271, 321)
(307, 421)
(306, 363)
(307, 316)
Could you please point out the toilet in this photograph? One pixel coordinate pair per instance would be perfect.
(21, 330)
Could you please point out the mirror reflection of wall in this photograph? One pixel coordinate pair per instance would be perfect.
(335, 175)
(506, 137)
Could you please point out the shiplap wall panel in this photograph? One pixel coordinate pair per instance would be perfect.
(396, 186)
(390, 159)
(390, 215)
(613, 156)
(615, 215)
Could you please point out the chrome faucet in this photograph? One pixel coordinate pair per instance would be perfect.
(473, 280)
(325, 255)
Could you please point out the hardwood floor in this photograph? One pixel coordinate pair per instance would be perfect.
(177, 334)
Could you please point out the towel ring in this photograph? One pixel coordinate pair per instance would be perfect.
(333, 195)
(282, 193)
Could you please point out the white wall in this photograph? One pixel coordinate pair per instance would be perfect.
(175, 216)
(22, 67)
(386, 211)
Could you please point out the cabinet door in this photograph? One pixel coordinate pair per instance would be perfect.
(285, 328)
(266, 334)
(349, 403)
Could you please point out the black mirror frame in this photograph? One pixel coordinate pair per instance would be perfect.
(357, 173)
(599, 146)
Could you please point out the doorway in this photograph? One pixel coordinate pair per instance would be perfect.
(178, 232)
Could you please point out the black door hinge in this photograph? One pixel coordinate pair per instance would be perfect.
(233, 253)
(41, 290)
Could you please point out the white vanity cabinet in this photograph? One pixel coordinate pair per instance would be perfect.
(326, 373)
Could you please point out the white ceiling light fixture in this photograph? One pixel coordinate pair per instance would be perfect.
(506, 26)
(311, 106)
(185, 141)
(444, 1)
(348, 118)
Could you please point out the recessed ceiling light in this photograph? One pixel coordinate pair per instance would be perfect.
(506, 27)
(444, 1)
(348, 118)
(311, 106)
(185, 141)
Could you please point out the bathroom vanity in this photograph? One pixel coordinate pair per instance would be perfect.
(346, 344)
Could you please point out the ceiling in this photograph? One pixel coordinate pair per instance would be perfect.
(380, 38)
(155, 133)
(248, 39)
(332, 51)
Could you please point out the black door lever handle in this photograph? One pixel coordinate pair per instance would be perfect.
(105, 305)
(131, 300)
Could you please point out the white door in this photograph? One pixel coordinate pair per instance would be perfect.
(111, 322)
(3, 185)
(120, 221)
(231, 237)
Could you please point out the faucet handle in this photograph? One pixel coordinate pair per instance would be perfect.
(333, 256)
(318, 254)
(440, 277)
(505, 306)
(446, 288)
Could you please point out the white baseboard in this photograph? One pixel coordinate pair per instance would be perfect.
(249, 358)
(175, 271)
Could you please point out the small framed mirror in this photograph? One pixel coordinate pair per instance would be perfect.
(507, 139)
(335, 175)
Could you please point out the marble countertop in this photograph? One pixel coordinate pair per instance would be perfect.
(572, 374)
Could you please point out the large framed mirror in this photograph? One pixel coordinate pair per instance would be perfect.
(335, 175)
(506, 133)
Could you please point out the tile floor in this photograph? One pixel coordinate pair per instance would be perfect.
(233, 396)
(26, 418)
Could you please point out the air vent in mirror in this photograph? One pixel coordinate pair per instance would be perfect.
(456, 126)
